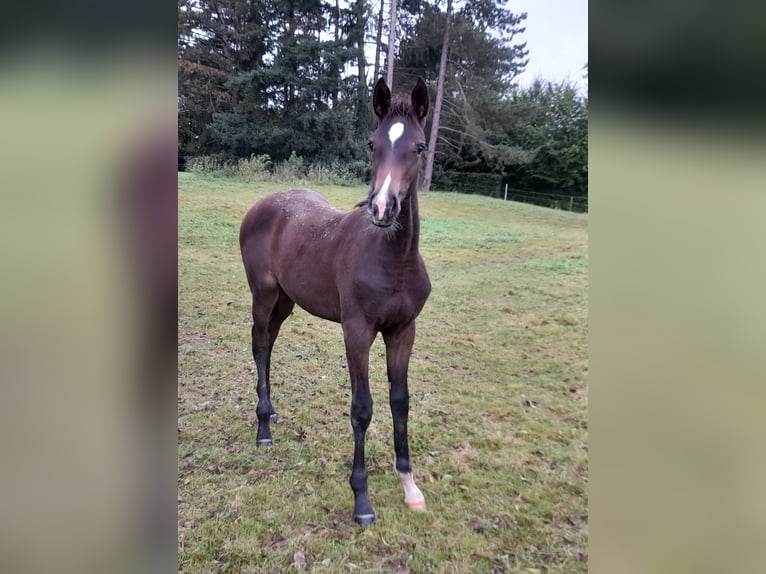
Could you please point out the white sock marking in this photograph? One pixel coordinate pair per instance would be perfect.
(412, 494)
(395, 132)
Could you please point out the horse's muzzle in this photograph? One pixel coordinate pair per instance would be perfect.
(383, 211)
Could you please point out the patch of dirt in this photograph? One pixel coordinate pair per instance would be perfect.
(467, 452)
(196, 338)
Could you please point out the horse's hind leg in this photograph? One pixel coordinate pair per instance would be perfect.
(266, 295)
(281, 311)
(398, 349)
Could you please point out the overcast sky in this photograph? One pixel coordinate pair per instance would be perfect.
(557, 39)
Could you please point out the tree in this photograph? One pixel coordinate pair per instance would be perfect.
(261, 76)
(217, 39)
(438, 103)
(555, 127)
(481, 62)
(378, 41)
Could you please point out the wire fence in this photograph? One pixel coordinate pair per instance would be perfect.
(553, 200)
(492, 185)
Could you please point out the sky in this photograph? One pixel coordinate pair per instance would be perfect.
(557, 40)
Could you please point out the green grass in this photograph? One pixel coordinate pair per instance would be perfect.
(498, 419)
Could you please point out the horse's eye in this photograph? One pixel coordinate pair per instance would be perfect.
(422, 147)
(371, 145)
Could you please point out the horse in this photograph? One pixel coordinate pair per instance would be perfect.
(360, 268)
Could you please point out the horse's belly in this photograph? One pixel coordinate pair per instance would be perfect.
(310, 282)
(323, 306)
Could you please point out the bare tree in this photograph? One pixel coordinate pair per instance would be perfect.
(438, 103)
(391, 43)
(359, 9)
(335, 69)
(379, 41)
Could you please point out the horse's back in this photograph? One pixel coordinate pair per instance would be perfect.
(290, 204)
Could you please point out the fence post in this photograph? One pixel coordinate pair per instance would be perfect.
(571, 202)
(505, 197)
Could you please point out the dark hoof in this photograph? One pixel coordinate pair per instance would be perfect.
(263, 442)
(364, 519)
(274, 418)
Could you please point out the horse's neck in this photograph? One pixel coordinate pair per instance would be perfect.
(407, 237)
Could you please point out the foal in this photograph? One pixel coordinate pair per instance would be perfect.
(361, 269)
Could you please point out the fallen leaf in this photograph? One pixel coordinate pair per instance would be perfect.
(278, 543)
(300, 559)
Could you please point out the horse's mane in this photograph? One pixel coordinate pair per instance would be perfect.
(366, 199)
(401, 106)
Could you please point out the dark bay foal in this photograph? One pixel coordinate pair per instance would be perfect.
(361, 269)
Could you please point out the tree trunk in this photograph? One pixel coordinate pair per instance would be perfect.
(361, 107)
(438, 103)
(379, 42)
(391, 43)
(360, 12)
(335, 67)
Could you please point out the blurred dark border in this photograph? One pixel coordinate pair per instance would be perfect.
(63, 57)
(681, 60)
(676, 320)
(87, 29)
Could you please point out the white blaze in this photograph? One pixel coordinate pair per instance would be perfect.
(382, 198)
(386, 183)
(395, 132)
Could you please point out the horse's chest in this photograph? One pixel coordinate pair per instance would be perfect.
(394, 295)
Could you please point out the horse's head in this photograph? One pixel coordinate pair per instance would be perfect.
(397, 146)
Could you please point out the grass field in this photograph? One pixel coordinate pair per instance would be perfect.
(498, 418)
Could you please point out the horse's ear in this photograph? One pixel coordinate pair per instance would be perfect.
(420, 100)
(381, 99)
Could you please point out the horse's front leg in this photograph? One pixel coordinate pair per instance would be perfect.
(398, 349)
(358, 336)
